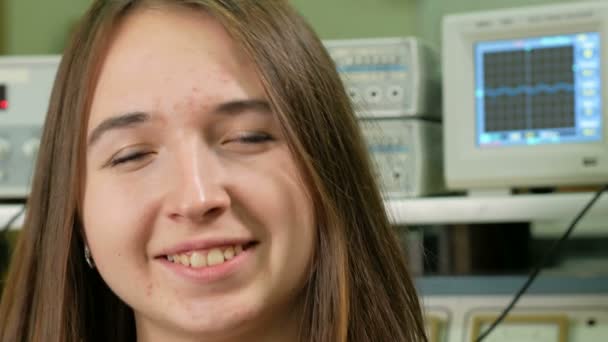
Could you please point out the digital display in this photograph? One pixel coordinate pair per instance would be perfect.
(3, 99)
(538, 90)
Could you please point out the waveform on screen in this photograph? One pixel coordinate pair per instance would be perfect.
(529, 90)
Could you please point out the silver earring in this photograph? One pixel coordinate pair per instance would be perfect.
(87, 257)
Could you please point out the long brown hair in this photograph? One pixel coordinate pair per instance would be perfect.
(359, 289)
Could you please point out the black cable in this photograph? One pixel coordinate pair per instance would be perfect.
(548, 256)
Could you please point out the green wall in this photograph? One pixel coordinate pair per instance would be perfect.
(2, 26)
(41, 27)
(337, 19)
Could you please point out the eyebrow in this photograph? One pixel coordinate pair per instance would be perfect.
(136, 118)
(239, 106)
(117, 122)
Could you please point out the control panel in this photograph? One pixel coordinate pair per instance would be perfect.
(389, 77)
(394, 86)
(560, 309)
(568, 318)
(25, 88)
(407, 155)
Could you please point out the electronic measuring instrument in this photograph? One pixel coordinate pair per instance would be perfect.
(25, 88)
(557, 309)
(394, 86)
(525, 97)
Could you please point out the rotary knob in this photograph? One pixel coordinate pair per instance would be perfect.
(5, 149)
(30, 147)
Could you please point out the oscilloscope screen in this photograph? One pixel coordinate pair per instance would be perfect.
(538, 90)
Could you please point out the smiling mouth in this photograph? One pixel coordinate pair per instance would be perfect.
(209, 257)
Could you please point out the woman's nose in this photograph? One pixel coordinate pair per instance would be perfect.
(199, 188)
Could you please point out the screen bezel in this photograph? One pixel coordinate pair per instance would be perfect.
(469, 166)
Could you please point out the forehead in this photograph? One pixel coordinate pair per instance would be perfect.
(161, 56)
(176, 30)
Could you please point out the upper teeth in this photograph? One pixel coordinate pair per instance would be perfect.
(211, 257)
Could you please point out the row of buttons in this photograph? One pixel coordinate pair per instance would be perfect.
(355, 59)
(375, 94)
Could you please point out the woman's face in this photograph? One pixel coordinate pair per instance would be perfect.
(194, 209)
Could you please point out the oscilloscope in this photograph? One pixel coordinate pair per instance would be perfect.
(524, 97)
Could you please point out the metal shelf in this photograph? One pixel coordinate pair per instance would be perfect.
(463, 209)
(496, 209)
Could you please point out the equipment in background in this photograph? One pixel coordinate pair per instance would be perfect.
(25, 88)
(395, 89)
(407, 154)
(389, 77)
(559, 309)
(524, 98)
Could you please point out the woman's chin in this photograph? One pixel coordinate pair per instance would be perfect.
(215, 324)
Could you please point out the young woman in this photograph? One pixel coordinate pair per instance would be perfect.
(202, 177)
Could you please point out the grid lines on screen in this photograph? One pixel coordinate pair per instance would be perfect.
(529, 89)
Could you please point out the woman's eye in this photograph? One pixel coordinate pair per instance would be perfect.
(131, 157)
(248, 142)
(253, 138)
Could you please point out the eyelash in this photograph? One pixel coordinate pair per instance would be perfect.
(128, 158)
(253, 138)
